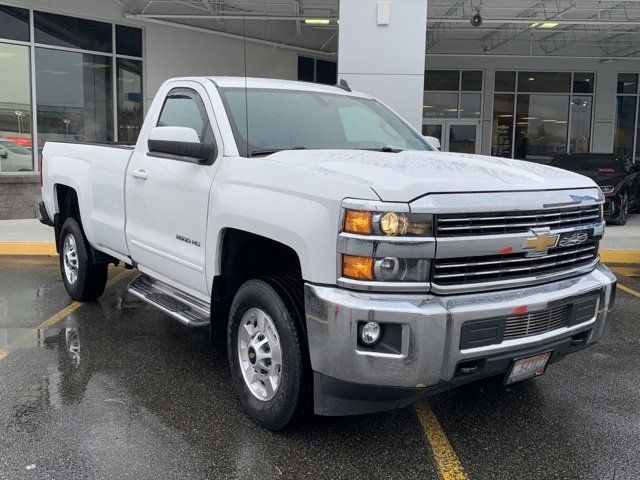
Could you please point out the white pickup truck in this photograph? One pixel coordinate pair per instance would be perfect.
(347, 261)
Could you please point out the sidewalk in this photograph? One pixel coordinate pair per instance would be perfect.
(30, 237)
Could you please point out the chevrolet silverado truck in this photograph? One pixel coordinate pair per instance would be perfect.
(350, 265)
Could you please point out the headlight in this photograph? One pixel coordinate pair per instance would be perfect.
(387, 269)
(607, 188)
(389, 224)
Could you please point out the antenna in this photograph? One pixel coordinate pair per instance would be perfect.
(246, 99)
(344, 85)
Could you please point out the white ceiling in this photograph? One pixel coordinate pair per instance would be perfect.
(603, 28)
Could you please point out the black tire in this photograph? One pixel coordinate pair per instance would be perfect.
(280, 297)
(91, 277)
(623, 215)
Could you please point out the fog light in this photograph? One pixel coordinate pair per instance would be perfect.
(370, 333)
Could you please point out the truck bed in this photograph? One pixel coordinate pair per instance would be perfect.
(96, 171)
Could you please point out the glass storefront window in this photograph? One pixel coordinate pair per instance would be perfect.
(14, 23)
(442, 80)
(74, 96)
(544, 82)
(502, 125)
(625, 124)
(471, 81)
(580, 134)
(128, 41)
(130, 114)
(583, 82)
(505, 82)
(470, 104)
(628, 83)
(15, 109)
(546, 123)
(71, 32)
(440, 105)
(448, 94)
(541, 127)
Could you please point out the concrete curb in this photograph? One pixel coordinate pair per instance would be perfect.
(42, 248)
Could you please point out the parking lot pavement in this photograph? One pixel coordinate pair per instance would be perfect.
(115, 389)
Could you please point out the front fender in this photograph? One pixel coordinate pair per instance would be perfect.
(308, 226)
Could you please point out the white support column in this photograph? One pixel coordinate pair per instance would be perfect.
(382, 52)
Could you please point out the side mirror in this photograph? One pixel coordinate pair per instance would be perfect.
(433, 141)
(180, 143)
(4, 154)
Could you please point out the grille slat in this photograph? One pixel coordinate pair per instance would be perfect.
(470, 270)
(483, 224)
(528, 324)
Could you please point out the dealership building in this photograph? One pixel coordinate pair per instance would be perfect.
(520, 79)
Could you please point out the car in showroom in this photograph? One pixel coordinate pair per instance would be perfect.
(617, 176)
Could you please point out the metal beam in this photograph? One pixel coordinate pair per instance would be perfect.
(232, 35)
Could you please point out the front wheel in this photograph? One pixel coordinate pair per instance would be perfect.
(623, 214)
(265, 344)
(83, 279)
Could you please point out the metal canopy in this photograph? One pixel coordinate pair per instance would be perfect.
(590, 28)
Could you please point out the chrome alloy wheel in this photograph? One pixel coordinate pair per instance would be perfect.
(260, 354)
(70, 259)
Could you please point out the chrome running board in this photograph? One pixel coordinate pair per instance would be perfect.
(183, 307)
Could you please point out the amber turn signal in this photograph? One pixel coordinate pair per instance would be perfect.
(357, 221)
(358, 268)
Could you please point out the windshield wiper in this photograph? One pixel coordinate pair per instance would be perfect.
(386, 149)
(268, 151)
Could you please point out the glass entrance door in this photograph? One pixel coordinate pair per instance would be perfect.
(460, 136)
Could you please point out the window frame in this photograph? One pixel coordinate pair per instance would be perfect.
(113, 55)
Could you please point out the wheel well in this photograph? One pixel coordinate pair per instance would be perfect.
(69, 206)
(244, 256)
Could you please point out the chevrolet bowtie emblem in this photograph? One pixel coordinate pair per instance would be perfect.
(539, 244)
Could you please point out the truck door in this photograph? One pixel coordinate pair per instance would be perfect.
(167, 196)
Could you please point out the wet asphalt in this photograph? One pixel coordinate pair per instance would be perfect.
(119, 390)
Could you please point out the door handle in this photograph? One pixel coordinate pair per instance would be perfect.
(141, 174)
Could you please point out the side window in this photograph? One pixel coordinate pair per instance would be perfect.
(183, 107)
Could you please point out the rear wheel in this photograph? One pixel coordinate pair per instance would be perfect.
(83, 279)
(265, 345)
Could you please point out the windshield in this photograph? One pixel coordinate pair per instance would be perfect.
(15, 148)
(589, 163)
(289, 119)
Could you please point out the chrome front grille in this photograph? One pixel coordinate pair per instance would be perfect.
(527, 324)
(513, 266)
(458, 225)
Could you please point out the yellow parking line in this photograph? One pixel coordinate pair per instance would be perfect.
(447, 462)
(66, 311)
(620, 256)
(629, 290)
(27, 248)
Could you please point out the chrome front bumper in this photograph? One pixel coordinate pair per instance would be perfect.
(431, 326)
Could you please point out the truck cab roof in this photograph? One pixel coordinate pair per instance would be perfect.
(271, 83)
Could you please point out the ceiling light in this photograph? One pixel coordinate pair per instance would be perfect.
(531, 79)
(549, 24)
(534, 25)
(317, 21)
(508, 115)
(7, 54)
(529, 118)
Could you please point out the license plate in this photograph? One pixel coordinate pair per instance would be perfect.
(528, 367)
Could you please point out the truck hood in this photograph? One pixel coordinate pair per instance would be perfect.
(405, 176)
